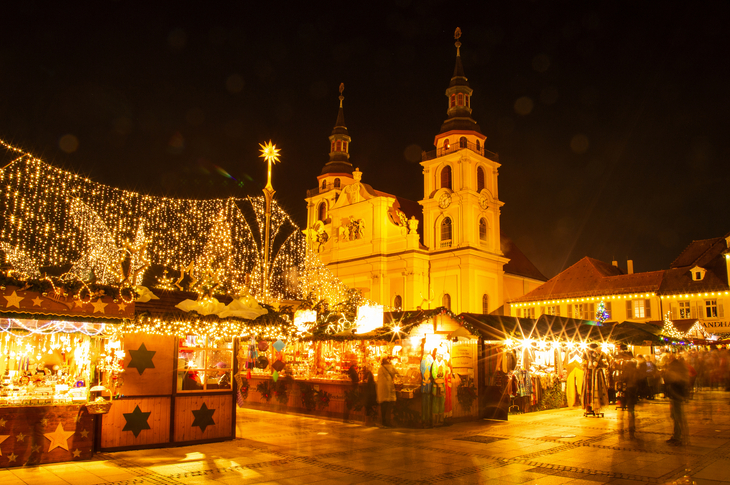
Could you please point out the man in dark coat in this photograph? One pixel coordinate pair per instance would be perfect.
(676, 381)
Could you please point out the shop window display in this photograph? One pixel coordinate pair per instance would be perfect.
(204, 364)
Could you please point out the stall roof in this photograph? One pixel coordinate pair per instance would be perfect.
(553, 327)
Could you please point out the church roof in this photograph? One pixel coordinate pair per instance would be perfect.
(518, 263)
(591, 277)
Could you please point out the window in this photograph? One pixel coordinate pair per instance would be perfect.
(468, 103)
(446, 301)
(684, 310)
(711, 308)
(204, 364)
(446, 144)
(607, 305)
(324, 184)
(589, 311)
(529, 313)
(460, 99)
(453, 101)
(344, 146)
(333, 146)
(698, 275)
(446, 177)
(479, 147)
(480, 177)
(482, 230)
(638, 308)
(338, 146)
(322, 211)
(577, 311)
(462, 142)
(398, 303)
(553, 310)
(446, 233)
(337, 183)
(485, 304)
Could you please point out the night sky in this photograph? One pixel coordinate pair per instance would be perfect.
(610, 118)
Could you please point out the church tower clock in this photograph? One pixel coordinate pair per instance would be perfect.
(461, 206)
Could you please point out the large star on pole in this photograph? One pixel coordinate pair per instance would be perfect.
(270, 154)
(141, 359)
(203, 417)
(59, 438)
(136, 421)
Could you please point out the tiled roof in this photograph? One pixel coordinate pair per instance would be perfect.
(591, 277)
(699, 252)
(518, 263)
(707, 254)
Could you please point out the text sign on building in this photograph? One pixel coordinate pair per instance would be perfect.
(462, 356)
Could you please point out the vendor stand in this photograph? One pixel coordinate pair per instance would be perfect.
(315, 373)
(551, 362)
(53, 348)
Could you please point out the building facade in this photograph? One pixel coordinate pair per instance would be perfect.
(695, 288)
(444, 250)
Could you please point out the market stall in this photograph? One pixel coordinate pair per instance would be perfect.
(327, 373)
(550, 362)
(54, 349)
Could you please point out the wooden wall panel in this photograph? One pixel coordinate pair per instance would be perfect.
(113, 423)
(152, 381)
(214, 418)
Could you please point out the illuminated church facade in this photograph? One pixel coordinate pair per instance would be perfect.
(444, 250)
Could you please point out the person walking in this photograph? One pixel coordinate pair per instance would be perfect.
(371, 394)
(676, 382)
(628, 391)
(386, 390)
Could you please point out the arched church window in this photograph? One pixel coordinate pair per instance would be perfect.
(480, 178)
(446, 177)
(333, 146)
(324, 184)
(398, 303)
(462, 142)
(337, 183)
(446, 233)
(446, 144)
(322, 211)
(485, 304)
(460, 100)
(453, 101)
(479, 147)
(446, 301)
(482, 230)
(344, 146)
(468, 103)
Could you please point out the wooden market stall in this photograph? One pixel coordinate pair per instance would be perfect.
(530, 365)
(52, 351)
(314, 374)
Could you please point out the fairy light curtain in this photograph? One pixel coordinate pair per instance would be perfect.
(52, 217)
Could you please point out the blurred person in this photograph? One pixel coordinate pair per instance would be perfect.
(676, 382)
(354, 376)
(651, 376)
(371, 393)
(641, 375)
(627, 390)
(386, 390)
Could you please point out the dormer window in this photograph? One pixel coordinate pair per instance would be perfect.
(698, 273)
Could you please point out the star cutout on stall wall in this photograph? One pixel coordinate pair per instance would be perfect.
(203, 417)
(12, 457)
(122, 306)
(37, 301)
(76, 453)
(136, 421)
(141, 359)
(13, 300)
(79, 303)
(84, 433)
(35, 449)
(99, 306)
(20, 437)
(59, 438)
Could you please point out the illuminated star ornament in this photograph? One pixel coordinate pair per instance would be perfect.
(270, 154)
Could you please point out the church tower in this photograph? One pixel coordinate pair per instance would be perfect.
(461, 206)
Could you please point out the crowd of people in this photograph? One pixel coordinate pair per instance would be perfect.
(673, 375)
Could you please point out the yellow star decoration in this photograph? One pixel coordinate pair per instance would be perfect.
(2, 422)
(76, 453)
(12, 457)
(122, 306)
(20, 437)
(98, 306)
(84, 433)
(37, 301)
(59, 438)
(13, 300)
(35, 449)
(3, 438)
(270, 154)
(79, 303)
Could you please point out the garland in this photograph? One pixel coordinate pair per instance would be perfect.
(266, 390)
(466, 393)
(553, 397)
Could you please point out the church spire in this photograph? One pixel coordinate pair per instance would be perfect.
(339, 144)
(459, 95)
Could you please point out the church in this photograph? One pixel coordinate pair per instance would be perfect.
(446, 249)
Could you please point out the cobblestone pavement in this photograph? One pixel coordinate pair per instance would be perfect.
(551, 447)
